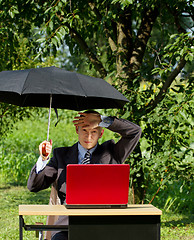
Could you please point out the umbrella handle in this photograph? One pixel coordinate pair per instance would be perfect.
(49, 118)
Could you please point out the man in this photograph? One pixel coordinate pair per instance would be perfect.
(89, 129)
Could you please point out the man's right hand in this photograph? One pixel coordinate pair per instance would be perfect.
(87, 120)
(45, 149)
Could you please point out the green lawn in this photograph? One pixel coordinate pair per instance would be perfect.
(173, 226)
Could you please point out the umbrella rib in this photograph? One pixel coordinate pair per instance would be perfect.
(82, 86)
(23, 87)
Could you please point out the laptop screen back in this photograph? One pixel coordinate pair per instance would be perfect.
(97, 184)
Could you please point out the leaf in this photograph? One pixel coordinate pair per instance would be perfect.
(189, 57)
(126, 115)
(40, 40)
(47, 10)
(161, 72)
(59, 35)
(11, 14)
(173, 36)
(54, 41)
(51, 25)
(155, 70)
(62, 31)
(37, 56)
(60, 4)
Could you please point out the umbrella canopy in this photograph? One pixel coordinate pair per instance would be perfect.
(69, 90)
(57, 88)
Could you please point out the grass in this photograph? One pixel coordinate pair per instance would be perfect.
(11, 197)
(173, 226)
(176, 226)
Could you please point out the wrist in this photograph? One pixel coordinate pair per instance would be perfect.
(106, 121)
(44, 158)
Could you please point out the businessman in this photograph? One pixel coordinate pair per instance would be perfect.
(89, 127)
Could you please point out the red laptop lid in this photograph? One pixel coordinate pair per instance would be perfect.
(97, 184)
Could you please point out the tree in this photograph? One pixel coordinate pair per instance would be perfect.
(142, 48)
(136, 42)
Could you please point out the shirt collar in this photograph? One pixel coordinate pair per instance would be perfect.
(83, 150)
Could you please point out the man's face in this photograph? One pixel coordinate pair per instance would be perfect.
(88, 138)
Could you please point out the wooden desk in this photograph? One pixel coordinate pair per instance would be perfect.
(134, 222)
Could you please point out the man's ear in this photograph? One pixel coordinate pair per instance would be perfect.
(102, 131)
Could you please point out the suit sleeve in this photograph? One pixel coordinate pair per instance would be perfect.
(130, 135)
(43, 179)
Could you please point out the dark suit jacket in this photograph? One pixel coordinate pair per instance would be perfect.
(107, 153)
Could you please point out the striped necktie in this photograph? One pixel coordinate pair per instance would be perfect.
(86, 159)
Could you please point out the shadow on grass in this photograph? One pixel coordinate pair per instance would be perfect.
(5, 187)
(41, 197)
(17, 195)
(179, 223)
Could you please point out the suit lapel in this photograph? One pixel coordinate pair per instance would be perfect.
(72, 155)
(102, 155)
(96, 155)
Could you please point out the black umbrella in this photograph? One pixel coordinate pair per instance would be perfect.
(57, 88)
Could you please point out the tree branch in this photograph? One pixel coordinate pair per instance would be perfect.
(176, 14)
(83, 45)
(106, 30)
(166, 85)
(143, 35)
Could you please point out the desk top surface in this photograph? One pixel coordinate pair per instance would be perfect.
(135, 209)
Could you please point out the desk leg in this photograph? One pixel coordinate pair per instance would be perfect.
(21, 225)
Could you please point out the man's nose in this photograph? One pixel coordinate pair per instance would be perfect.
(89, 135)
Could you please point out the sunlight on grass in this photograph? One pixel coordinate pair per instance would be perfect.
(176, 226)
(11, 197)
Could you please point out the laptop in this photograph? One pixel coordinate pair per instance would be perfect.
(97, 185)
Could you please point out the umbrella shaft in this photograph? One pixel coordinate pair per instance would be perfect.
(49, 118)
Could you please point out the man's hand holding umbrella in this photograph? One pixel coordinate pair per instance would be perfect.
(45, 149)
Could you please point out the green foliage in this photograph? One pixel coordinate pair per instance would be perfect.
(167, 146)
(180, 47)
(9, 115)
